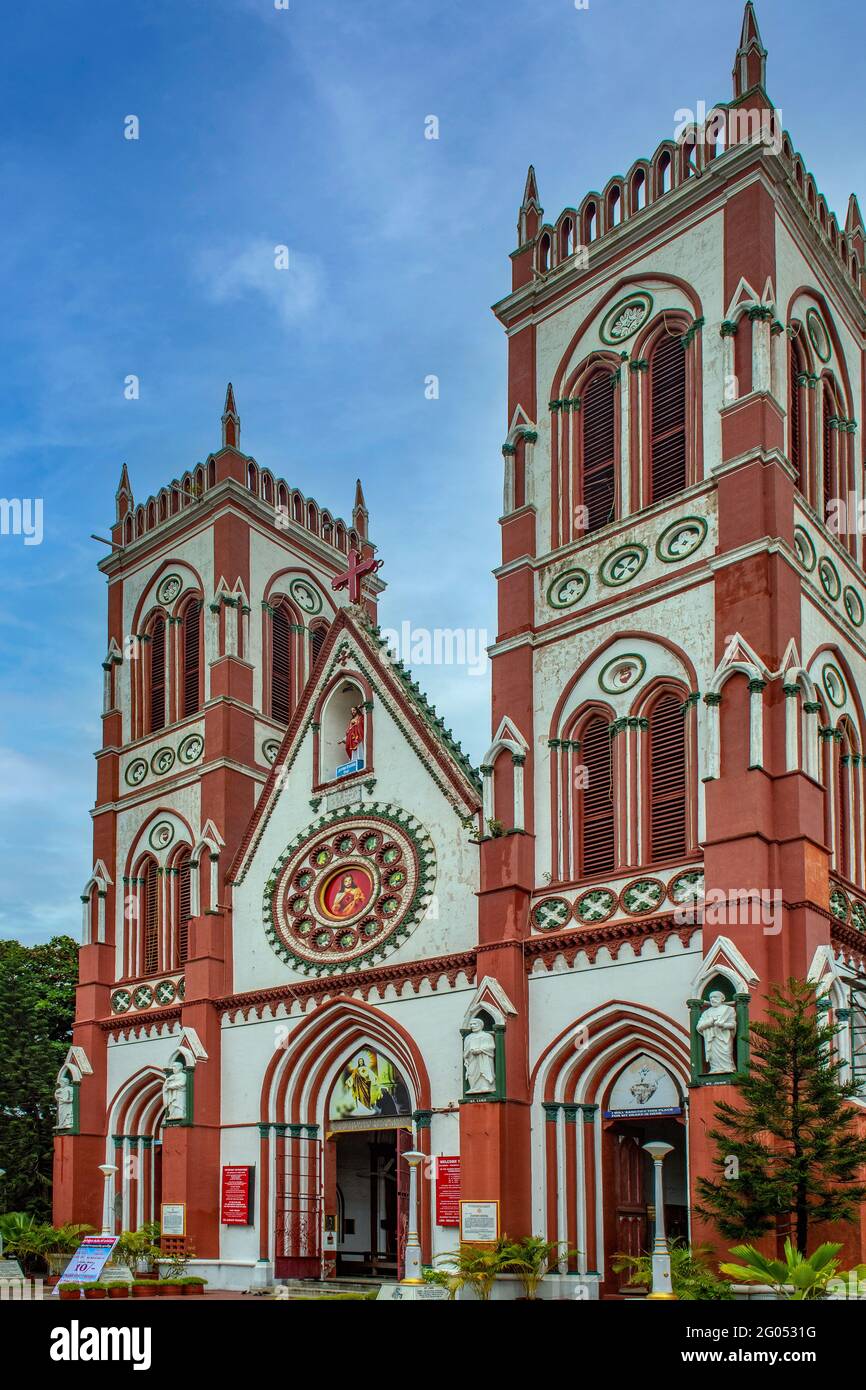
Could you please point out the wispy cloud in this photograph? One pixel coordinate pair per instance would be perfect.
(290, 282)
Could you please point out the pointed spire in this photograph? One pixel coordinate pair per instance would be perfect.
(853, 219)
(750, 63)
(360, 515)
(123, 497)
(231, 421)
(531, 211)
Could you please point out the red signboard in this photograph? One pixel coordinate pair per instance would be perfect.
(237, 1195)
(447, 1191)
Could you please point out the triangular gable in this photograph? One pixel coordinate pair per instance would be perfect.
(492, 997)
(724, 958)
(350, 647)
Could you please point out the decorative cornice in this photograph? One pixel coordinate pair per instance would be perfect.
(612, 936)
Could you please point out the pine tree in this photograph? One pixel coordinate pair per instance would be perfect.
(788, 1154)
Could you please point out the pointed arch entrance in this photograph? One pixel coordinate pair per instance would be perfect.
(342, 1101)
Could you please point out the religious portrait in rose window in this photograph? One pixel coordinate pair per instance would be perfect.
(347, 893)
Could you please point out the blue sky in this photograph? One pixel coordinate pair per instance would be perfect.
(302, 127)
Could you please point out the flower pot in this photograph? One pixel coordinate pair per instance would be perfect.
(67, 1295)
(95, 1293)
(194, 1288)
(122, 1292)
(148, 1290)
(49, 1280)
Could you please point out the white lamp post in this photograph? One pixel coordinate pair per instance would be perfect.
(662, 1284)
(412, 1256)
(108, 1171)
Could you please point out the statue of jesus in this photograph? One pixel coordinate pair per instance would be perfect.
(354, 732)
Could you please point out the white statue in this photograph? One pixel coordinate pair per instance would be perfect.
(479, 1051)
(64, 1095)
(174, 1092)
(718, 1025)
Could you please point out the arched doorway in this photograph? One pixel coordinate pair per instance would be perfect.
(643, 1103)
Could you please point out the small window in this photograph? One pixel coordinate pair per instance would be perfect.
(157, 674)
(281, 665)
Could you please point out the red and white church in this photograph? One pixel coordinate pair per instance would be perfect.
(316, 937)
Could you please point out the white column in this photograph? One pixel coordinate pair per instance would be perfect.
(712, 761)
(518, 761)
(756, 723)
(108, 1171)
(412, 1258)
(792, 727)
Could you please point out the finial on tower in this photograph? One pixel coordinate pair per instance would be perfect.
(360, 515)
(531, 211)
(750, 63)
(123, 498)
(231, 421)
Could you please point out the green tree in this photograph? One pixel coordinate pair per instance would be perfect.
(787, 1154)
(37, 1002)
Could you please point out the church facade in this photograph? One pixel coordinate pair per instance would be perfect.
(316, 937)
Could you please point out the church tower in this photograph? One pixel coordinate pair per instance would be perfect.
(220, 597)
(676, 679)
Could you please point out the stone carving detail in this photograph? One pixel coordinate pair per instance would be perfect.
(718, 1028)
(65, 1097)
(479, 1059)
(174, 1091)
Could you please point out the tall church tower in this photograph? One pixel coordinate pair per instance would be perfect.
(676, 679)
(219, 599)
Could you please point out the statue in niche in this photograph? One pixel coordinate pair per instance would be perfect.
(174, 1091)
(718, 1028)
(479, 1054)
(354, 740)
(64, 1095)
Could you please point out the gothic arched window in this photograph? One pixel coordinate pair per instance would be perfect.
(596, 819)
(157, 674)
(598, 413)
(190, 699)
(183, 866)
(150, 918)
(281, 672)
(668, 815)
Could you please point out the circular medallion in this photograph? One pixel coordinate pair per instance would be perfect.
(686, 888)
(818, 335)
(161, 835)
(831, 679)
(181, 987)
(626, 317)
(306, 597)
(829, 577)
(839, 905)
(567, 588)
(136, 772)
(120, 1001)
(623, 564)
(162, 760)
(858, 916)
(191, 748)
(142, 996)
(351, 890)
(169, 589)
(622, 673)
(165, 992)
(551, 915)
(853, 605)
(595, 906)
(805, 548)
(681, 539)
(270, 749)
(642, 895)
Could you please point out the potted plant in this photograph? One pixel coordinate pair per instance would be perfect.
(61, 1242)
(529, 1259)
(475, 1268)
(94, 1290)
(193, 1284)
(144, 1288)
(169, 1288)
(69, 1291)
(691, 1276)
(118, 1288)
(138, 1250)
(797, 1277)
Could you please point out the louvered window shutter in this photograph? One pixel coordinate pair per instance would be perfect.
(598, 415)
(667, 756)
(667, 418)
(280, 665)
(317, 638)
(183, 909)
(151, 918)
(827, 443)
(157, 675)
(596, 822)
(191, 643)
(795, 425)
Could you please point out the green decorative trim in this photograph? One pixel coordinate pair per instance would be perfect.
(589, 1114)
(190, 748)
(551, 1110)
(161, 835)
(791, 690)
(551, 914)
(762, 312)
(829, 577)
(713, 697)
(624, 659)
(170, 588)
(805, 548)
(136, 772)
(575, 579)
(302, 591)
(640, 364)
(566, 404)
(270, 749)
(756, 686)
(831, 675)
(635, 549)
(508, 450)
(423, 1119)
(691, 332)
(162, 761)
(633, 309)
(728, 329)
(819, 337)
(642, 896)
(811, 707)
(853, 604)
(570, 1113)
(695, 525)
(596, 905)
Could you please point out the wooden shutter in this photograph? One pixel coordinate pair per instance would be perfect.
(667, 771)
(183, 909)
(827, 442)
(795, 432)
(596, 821)
(280, 665)
(667, 418)
(317, 638)
(151, 918)
(598, 415)
(157, 675)
(191, 645)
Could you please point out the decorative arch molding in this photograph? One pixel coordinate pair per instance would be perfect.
(724, 958)
(93, 925)
(149, 598)
(209, 842)
(567, 701)
(739, 659)
(569, 1070)
(509, 740)
(517, 453)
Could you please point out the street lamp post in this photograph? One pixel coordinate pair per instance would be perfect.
(107, 1170)
(661, 1257)
(412, 1256)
